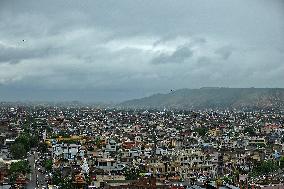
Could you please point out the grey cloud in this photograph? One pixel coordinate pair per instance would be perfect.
(225, 52)
(203, 61)
(14, 55)
(177, 57)
(164, 39)
(69, 50)
(189, 40)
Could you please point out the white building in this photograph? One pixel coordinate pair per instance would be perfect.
(109, 164)
(67, 151)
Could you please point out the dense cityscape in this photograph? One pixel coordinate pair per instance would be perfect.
(47, 146)
(141, 94)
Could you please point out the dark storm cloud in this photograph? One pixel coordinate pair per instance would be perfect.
(134, 45)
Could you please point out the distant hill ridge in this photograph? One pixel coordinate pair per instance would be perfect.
(213, 97)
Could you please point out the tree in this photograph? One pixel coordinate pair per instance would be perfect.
(131, 173)
(228, 179)
(56, 177)
(27, 140)
(23, 144)
(66, 183)
(24, 139)
(98, 143)
(20, 167)
(236, 175)
(201, 131)
(34, 141)
(250, 131)
(48, 165)
(63, 183)
(18, 151)
(281, 163)
(42, 147)
(264, 167)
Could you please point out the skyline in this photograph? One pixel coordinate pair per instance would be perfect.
(119, 50)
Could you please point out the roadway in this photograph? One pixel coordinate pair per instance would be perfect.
(37, 180)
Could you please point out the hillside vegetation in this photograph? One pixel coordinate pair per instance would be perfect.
(259, 98)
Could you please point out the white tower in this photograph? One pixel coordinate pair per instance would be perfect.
(85, 167)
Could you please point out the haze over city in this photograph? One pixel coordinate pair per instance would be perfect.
(117, 50)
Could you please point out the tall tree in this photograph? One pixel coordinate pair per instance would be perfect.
(24, 139)
(18, 151)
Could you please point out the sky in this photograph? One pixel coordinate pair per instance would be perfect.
(114, 50)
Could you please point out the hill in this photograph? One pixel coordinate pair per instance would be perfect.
(259, 98)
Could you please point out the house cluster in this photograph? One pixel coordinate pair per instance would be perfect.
(110, 148)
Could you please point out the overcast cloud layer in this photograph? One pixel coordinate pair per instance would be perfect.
(116, 50)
